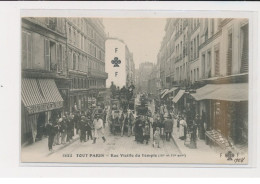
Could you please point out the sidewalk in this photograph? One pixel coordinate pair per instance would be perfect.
(202, 148)
(40, 148)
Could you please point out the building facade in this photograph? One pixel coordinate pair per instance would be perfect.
(45, 79)
(63, 68)
(119, 63)
(86, 60)
(208, 57)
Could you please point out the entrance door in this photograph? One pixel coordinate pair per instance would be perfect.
(40, 125)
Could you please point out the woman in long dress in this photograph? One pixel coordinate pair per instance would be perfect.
(183, 127)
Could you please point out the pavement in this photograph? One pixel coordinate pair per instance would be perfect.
(40, 148)
(202, 148)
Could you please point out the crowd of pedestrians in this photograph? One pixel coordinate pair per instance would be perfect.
(61, 130)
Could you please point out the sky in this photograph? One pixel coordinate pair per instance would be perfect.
(143, 36)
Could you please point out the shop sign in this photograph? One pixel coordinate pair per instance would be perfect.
(44, 107)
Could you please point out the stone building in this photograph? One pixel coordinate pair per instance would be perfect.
(63, 69)
(45, 81)
(208, 59)
(86, 60)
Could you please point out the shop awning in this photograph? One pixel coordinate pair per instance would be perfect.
(163, 95)
(227, 92)
(51, 92)
(163, 91)
(31, 95)
(40, 95)
(169, 91)
(178, 96)
(172, 90)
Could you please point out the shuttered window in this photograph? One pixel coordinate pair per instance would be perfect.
(26, 50)
(47, 54)
(63, 67)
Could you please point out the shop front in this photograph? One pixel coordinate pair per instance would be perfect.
(41, 102)
(227, 110)
(178, 101)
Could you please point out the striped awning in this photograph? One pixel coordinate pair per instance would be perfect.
(163, 91)
(163, 95)
(50, 90)
(178, 96)
(39, 95)
(171, 90)
(31, 94)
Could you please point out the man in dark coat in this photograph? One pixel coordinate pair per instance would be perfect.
(139, 130)
(82, 128)
(89, 128)
(193, 141)
(76, 121)
(168, 124)
(70, 128)
(50, 130)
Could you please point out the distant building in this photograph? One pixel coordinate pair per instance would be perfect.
(144, 72)
(154, 81)
(119, 63)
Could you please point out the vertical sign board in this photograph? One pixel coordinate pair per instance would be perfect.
(115, 62)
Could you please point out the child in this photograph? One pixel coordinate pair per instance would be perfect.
(156, 137)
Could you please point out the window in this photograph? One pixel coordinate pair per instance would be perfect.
(197, 73)
(209, 64)
(203, 66)
(217, 72)
(27, 50)
(74, 61)
(79, 63)
(59, 57)
(244, 49)
(75, 38)
(212, 27)
(191, 50)
(229, 53)
(70, 36)
(53, 56)
(47, 54)
(197, 45)
(79, 40)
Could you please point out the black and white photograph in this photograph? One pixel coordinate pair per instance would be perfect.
(100, 90)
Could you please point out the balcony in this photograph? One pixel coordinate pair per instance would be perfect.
(96, 73)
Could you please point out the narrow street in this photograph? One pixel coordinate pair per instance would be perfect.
(117, 144)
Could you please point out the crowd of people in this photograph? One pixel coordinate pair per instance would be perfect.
(160, 124)
(190, 126)
(61, 130)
